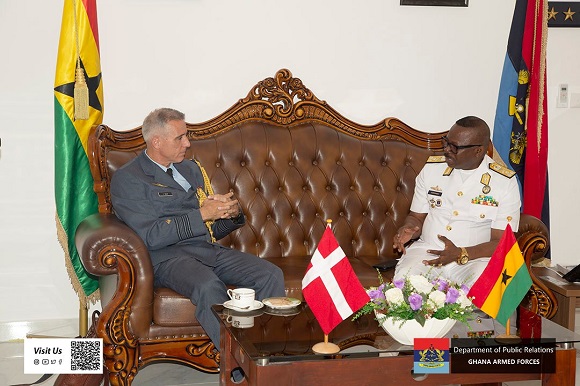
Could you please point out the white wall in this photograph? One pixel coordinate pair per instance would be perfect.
(368, 59)
(563, 67)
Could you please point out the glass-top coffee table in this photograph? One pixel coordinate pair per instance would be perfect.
(274, 348)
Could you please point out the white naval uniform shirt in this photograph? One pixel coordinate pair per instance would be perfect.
(455, 208)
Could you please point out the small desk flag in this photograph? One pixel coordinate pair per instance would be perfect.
(330, 286)
(504, 282)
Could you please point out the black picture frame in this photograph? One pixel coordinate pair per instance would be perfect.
(443, 3)
(564, 14)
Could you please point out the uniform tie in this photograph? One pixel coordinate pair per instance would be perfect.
(170, 172)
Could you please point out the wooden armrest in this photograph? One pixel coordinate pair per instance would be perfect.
(534, 241)
(108, 246)
(533, 238)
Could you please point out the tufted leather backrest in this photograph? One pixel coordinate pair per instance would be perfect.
(292, 166)
(290, 180)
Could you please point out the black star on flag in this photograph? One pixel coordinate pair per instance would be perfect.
(92, 84)
(505, 277)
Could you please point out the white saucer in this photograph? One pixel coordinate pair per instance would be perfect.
(281, 303)
(256, 306)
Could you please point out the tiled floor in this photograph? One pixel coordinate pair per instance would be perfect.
(162, 374)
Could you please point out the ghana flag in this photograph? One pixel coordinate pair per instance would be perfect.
(78, 59)
(520, 132)
(504, 282)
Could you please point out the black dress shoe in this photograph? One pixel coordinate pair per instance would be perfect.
(237, 375)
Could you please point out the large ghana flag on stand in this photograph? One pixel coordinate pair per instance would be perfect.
(520, 132)
(75, 199)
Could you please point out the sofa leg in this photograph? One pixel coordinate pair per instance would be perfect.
(207, 356)
(106, 377)
(121, 364)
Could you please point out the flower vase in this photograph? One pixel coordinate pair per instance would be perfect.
(410, 329)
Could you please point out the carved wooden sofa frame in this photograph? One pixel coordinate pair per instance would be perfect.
(140, 326)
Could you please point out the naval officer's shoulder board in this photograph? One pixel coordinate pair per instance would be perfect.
(502, 170)
(436, 159)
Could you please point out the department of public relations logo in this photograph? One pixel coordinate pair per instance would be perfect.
(431, 355)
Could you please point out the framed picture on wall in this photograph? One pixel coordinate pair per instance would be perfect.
(444, 3)
(563, 14)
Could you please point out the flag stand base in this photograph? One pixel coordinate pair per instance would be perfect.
(325, 347)
(507, 339)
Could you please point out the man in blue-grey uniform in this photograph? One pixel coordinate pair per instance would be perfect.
(170, 203)
(462, 203)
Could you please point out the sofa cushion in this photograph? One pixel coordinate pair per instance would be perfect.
(171, 309)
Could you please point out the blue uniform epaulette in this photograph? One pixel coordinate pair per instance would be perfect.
(436, 159)
(502, 170)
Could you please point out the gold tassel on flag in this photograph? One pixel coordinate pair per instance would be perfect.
(81, 94)
(81, 90)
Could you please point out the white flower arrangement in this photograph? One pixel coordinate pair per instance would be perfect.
(420, 298)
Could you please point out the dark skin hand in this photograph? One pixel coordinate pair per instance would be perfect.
(449, 254)
(411, 229)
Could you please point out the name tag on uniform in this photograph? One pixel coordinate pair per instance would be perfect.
(435, 193)
(165, 194)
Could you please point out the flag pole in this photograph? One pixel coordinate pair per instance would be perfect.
(83, 319)
(507, 337)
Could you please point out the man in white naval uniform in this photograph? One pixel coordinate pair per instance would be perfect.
(462, 203)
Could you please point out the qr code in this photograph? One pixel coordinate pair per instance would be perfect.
(85, 355)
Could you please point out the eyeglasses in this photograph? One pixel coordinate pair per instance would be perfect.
(454, 148)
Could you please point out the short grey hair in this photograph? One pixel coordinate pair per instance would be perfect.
(157, 119)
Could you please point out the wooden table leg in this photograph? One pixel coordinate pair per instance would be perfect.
(565, 369)
(226, 358)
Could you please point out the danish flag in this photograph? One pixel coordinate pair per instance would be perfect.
(330, 286)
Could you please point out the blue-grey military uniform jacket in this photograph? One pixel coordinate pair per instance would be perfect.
(163, 214)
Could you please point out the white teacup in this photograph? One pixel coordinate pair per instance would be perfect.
(242, 297)
(240, 321)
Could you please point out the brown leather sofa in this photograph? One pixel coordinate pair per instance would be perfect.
(293, 162)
